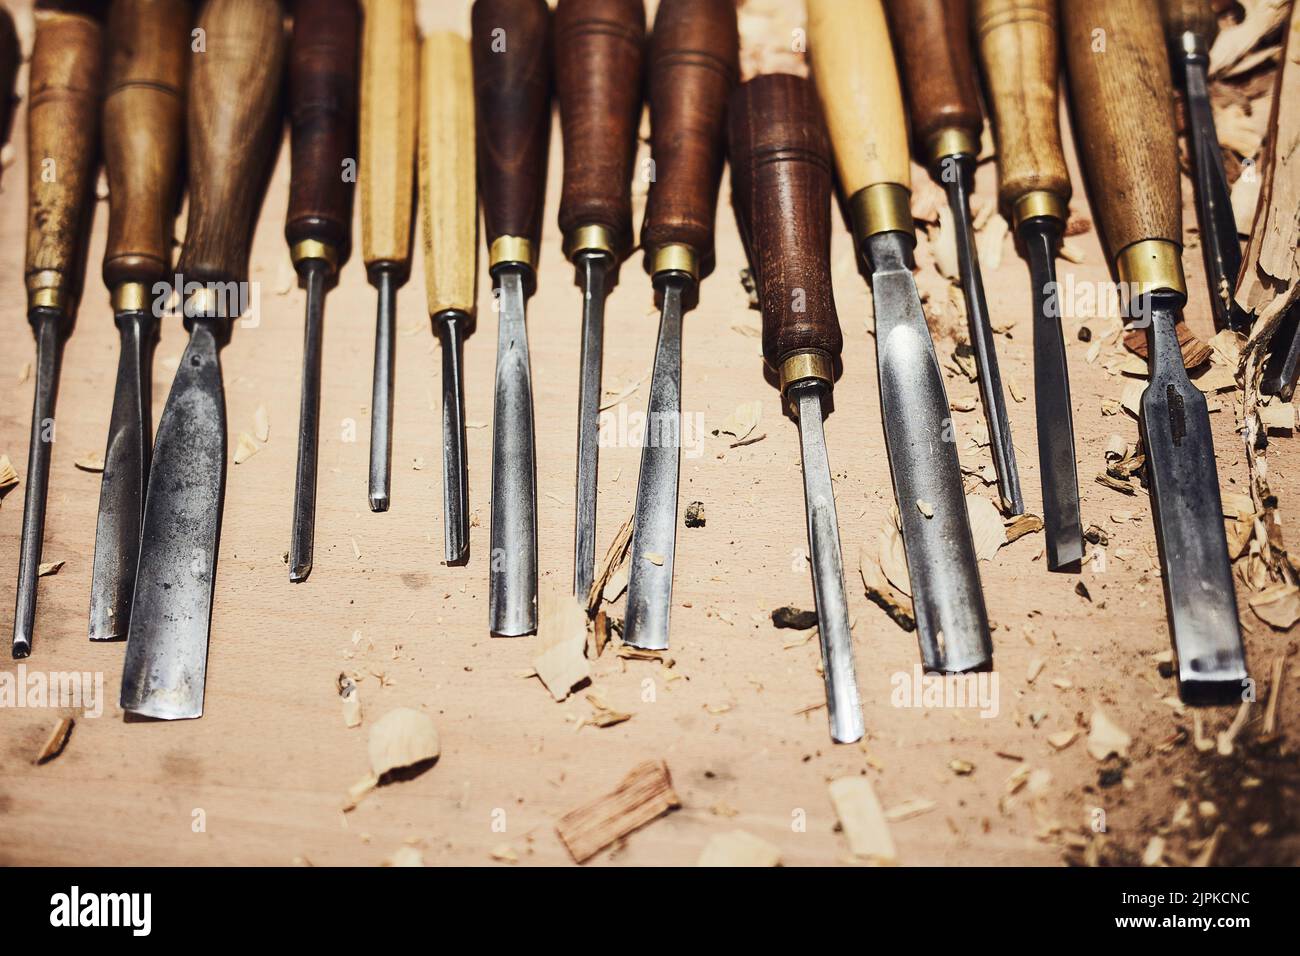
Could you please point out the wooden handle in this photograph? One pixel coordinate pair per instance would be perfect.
(512, 74)
(1123, 104)
(389, 114)
(933, 40)
(853, 67)
(323, 123)
(694, 64)
(599, 49)
(65, 84)
(781, 187)
(1191, 16)
(144, 121)
(10, 56)
(233, 125)
(448, 199)
(1018, 49)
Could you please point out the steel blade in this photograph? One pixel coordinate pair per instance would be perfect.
(303, 537)
(381, 401)
(455, 473)
(594, 270)
(1284, 357)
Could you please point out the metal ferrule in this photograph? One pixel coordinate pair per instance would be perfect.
(591, 238)
(1149, 266)
(510, 249)
(306, 249)
(130, 297)
(46, 290)
(951, 141)
(810, 364)
(674, 257)
(883, 207)
(1037, 204)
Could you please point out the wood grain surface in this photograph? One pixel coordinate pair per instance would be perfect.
(933, 42)
(1191, 16)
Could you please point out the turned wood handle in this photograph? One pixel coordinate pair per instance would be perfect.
(599, 49)
(853, 67)
(10, 56)
(65, 84)
(1123, 105)
(934, 49)
(448, 198)
(1191, 16)
(144, 121)
(781, 188)
(389, 114)
(233, 125)
(323, 122)
(512, 76)
(1018, 48)
(694, 64)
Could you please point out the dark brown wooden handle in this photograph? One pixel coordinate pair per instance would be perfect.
(65, 84)
(144, 121)
(694, 63)
(512, 77)
(1123, 106)
(233, 124)
(323, 123)
(781, 188)
(934, 46)
(599, 51)
(1191, 16)
(10, 56)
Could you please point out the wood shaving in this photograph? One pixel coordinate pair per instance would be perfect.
(405, 856)
(989, 243)
(245, 448)
(55, 742)
(1278, 606)
(645, 794)
(505, 853)
(262, 424)
(48, 568)
(883, 594)
(93, 463)
(1062, 738)
(8, 476)
(738, 848)
(909, 809)
(1234, 44)
(943, 245)
(986, 525)
(1274, 695)
(743, 421)
(863, 820)
(1021, 525)
(1105, 737)
(925, 508)
(350, 694)
(615, 558)
(561, 660)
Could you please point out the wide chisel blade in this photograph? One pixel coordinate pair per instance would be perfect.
(594, 270)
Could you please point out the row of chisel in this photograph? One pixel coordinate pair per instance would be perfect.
(786, 137)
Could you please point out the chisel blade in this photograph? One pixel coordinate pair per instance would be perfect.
(594, 270)
(455, 467)
(381, 398)
(302, 539)
(167, 648)
(951, 622)
(1284, 357)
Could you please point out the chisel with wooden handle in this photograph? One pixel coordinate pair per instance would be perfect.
(1018, 43)
(693, 66)
(144, 114)
(64, 87)
(512, 86)
(389, 114)
(449, 220)
(933, 38)
(318, 227)
(781, 188)
(232, 125)
(1123, 104)
(853, 66)
(599, 48)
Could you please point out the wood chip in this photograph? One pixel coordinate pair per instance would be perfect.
(863, 820)
(93, 463)
(738, 848)
(1021, 525)
(925, 508)
(645, 794)
(245, 448)
(909, 809)
(615, 557)
(743, 420)
(262, 424)
(1105, 737)
(561, 660)
(55, 742)
(8, 476)
(1278, 418)
(505, 853)
(883, 594)
(1278, 606)
(986, 526)
(1274, 695)
(1154, 854)
(405, 856)
(48, 568)
(1062, 738)
(401, 738)
(350, 694)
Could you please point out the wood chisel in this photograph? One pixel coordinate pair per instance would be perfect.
(1123, 106)
(599, 49)
(144, 115)
(1018, 46)
(389, 113)
(232, 126)
(853, 67)
(933, 38)
(693, 66)
(781, 188)
(449, 219)
(64, 88)
(318, 227)
(512, 87)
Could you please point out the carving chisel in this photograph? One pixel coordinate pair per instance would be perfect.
(62, 120)
(318, 228)
(693, 65)
(853, 66)
(232, 125)
(449, 216)
(512, 74)
(1018, 48)
(143, 124)
(933, 38)
(781, 188)
(599, 51)
(389, 111)
(1123, 104)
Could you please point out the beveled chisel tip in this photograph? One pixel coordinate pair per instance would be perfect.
(299, 571)
(22, 646)
(379, 501)
(1065, 554)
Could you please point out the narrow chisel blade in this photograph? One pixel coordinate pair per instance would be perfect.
(1284, 357)
(381, 399)
(302, 540)
(594, 271)
(455, 468)
(167, 647)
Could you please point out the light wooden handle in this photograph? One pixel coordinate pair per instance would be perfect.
(389, 114)
(1018, 50)
(853, 66)
(448, 197)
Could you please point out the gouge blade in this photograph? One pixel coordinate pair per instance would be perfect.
(1184, 483)
(951, 622)
(1284, 357)
(167, 647)
(125, 478)
(512, 568)
(654, 527)
(303, 538)
(594, 269)
(455, 469)
(381, 402)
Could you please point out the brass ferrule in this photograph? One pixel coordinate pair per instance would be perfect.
(1038, 203)
(45, 290)
(314, 249)
(130, 297)
(884, 207)
(592, 238)
(674, 257)
(801, 366)
(952, 141)
(512, 249)
(1150, 265)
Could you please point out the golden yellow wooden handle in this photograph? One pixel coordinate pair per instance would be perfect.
(389, 113)
(448, 198)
